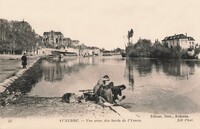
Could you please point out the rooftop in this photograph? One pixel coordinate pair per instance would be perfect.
(177, 36)
(52, 32)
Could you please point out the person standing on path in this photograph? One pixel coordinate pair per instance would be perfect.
(24, 61)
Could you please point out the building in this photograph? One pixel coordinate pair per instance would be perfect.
(85, 51)
(67, 42)
(53, 39)
(182, 40)
(72, 50)
(75, 43)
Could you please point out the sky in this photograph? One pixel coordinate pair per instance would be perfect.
(105, 23)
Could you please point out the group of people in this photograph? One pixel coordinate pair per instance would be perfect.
(106, 93)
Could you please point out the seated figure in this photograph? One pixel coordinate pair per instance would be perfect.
(110, 94)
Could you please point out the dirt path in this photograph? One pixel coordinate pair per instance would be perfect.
(9, 65)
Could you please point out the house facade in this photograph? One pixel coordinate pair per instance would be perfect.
(67, 42)
(53, 39)
(182, 40)
(75, 43)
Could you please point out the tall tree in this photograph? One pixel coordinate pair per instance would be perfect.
(130, 35)
(17, 36)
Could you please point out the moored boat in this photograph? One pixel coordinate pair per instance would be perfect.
(123, 54)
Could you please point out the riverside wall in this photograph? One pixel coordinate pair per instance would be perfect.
(9, 81)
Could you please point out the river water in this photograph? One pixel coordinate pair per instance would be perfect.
(156, 86)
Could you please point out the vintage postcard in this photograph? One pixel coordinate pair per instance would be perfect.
(99, 64)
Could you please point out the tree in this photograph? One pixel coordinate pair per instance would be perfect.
(102, 49)
(17, 36)
(140, 49)
(118, 50)
(130, 35)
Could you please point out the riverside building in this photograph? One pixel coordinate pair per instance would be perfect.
(182, 40)
(53, 39)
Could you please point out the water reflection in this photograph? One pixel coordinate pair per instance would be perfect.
(153, 84)
(176, 68)
(179, 69)
(55, 70)
(192, 66)
(170, 86)
(144, 66)
(129, 73)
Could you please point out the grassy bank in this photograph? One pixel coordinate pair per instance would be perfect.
(28, 79)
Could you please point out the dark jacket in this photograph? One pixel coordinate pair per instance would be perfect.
(116, 91)
(24, 60)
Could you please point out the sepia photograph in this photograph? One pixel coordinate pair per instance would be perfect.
(82, 64)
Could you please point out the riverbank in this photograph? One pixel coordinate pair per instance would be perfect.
(11, 69)
(15, 103)
(146, 101)
(54, 107)
(11, 64)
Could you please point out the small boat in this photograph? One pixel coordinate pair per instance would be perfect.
(123, 54)
(107, 53)
(50, 56)
(70, 54)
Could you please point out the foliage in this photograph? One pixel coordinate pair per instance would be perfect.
(130, 33)
(17, 36)
(144, 48)
(141, 49)
(197, 50)
(118, 50)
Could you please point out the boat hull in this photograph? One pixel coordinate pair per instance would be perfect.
(123, 54)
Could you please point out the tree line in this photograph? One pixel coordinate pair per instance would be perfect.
(145, 48)
(18, 36)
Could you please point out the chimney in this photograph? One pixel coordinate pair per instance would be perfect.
(186, 34)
